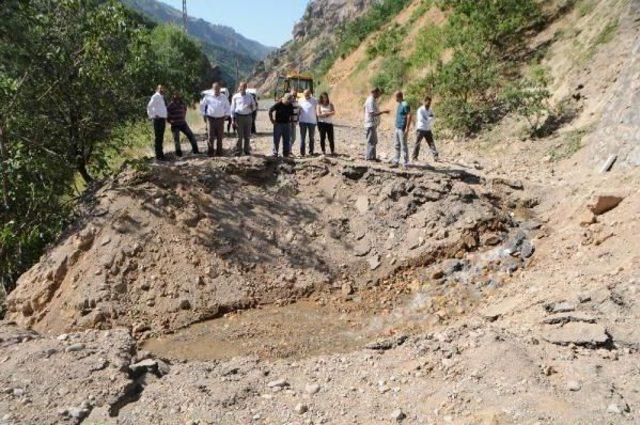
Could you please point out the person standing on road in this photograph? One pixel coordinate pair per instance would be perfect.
(296, 115)
(254, 116)
(242, 107)
(229, 120)
(308, 121)
(157, 112)
(325, 112)
(371, 122)
(282, 125)
(177, 117)
(424, 123)
(403, 121)
(216, 110)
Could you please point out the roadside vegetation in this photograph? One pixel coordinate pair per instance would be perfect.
(74, 81)
(353, 33)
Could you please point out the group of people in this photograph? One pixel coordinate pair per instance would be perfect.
(424, 122)
(288, 116)
(288, 113)
(216, 108)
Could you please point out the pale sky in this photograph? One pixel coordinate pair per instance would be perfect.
(267, 21)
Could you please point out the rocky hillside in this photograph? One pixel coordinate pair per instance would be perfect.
(497, 286)
(220, 43)
(313, 39)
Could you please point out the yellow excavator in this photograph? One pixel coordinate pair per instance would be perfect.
(295, 79)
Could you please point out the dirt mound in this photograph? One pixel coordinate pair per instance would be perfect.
(168, 246)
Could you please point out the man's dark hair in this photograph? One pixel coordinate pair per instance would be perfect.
(427, 99)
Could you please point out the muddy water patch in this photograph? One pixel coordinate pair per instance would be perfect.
(293, 331)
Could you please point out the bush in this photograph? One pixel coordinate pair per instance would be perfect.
(391, 76)
(529, 98)
(389, 42)
(429, 46)
(482, 37)
(351, 35)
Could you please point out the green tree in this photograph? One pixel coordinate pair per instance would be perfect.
(178, 61)
(71, 72)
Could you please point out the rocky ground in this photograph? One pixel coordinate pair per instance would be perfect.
(479, 290)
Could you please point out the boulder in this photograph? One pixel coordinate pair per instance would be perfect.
(580, 334)
(362, 204)
(604, 203)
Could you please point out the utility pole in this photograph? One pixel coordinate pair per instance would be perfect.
(237, 64)
(185, 18)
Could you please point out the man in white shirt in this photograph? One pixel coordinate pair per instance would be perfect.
(371, 122)
(424, 122)
(216, 110)
(157, 112)
(307, 121)
(242, 107)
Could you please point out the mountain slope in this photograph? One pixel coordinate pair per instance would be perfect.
(313, 39)
(219, 42)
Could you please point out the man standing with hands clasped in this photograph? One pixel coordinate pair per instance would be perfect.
(403, 121)
(157, 112)
(283, 111)
(307, 121)
(242, 107)
(215, 108)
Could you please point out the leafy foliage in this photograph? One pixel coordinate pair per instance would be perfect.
(481, 41)
(529, 98)
(391, 76)
(73, 70)
(353, 33)
(389, 42)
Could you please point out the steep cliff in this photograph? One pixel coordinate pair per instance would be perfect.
(313, 39)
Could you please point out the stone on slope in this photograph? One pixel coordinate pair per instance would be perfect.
(580, 334)
(374, 262)
(362, 204)
(398, 415)
(604, 203)
(312, 388)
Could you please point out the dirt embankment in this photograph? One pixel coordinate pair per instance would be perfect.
(173, 245)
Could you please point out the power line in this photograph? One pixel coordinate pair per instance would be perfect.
(184, 15)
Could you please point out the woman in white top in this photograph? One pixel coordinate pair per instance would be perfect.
(325, 112)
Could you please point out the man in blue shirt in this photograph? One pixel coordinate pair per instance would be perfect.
(403, 121)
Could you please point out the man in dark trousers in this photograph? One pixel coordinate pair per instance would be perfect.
(284, 112)
(157, 113)
(177, 117)
(215, 108)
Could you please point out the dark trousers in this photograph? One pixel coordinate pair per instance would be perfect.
(428, 136)
(282, 131)
(253, 123)
(183, 127)
(159, 125)
(304, 129)
(216, 133)
(243, 127)
(326, 132)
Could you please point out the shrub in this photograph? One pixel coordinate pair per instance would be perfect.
(389, 42)
(429, 45)
(529, 98)
(391, 76)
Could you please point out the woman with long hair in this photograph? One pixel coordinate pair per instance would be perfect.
(325, 112)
